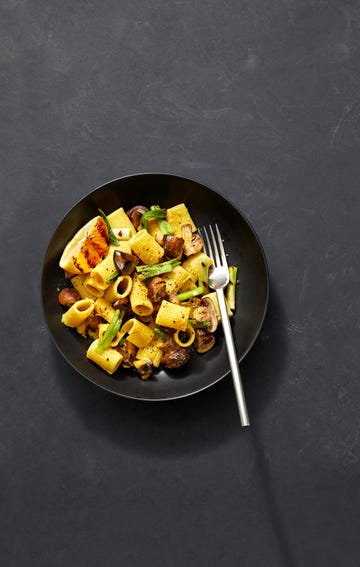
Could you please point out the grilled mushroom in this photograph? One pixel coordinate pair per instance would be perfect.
(144, 368)
(128, 351)
(68, 296)
(157, 289)
(192, 241)
(121, 303)
(175, 356)
(205, 312)
(173, 246)
(135, 214)
(204, 340)
(125, 263)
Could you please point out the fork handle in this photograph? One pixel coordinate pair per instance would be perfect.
(234, 365)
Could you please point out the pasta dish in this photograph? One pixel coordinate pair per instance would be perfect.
(137, 286)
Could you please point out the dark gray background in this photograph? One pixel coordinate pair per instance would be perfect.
(259, 99)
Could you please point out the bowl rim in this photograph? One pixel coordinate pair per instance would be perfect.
(244, 218)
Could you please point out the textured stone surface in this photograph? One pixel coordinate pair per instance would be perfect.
(260, 100)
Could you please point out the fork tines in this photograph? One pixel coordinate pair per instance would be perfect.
(215, 249)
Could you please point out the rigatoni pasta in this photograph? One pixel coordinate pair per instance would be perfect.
(78, 312)
(109, 360)
(142, 296)
(172, 315)
(146, 247)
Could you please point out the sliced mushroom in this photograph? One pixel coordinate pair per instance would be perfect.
(173, 246)
(204, 341)
(135, 214)
(125, 263)
(175, 356)
(157, 289)
(173, 298)
(68, 296)
(205, 312)
(128, 351)
(93, 322)
(121, 303)
(144, 368)
(192, 240)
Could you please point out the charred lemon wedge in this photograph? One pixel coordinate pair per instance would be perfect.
(86, 249)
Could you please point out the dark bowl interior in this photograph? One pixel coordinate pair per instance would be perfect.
(244, 250)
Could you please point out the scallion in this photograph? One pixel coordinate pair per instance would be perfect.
(112, 237)
(112, 329)
(199, 324)
(157, 269)
(191, 293)
(230, 292)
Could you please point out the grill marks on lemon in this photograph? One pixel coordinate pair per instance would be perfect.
(87, 248)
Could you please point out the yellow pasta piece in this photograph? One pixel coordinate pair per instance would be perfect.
(103, 271)
(104, 309)
(190, 337)
(101, 330)
(139, 299)
(119, 219)
(82, 329)
(150, 352)
(136, 333)
(118, 289)
(124, 246)
(109, 360)
(78, 283)
(177, 216)
(146, 247)
(155, 231)
(91, 288)
(172, 315)
(193, 265)
(176, 279)
(122, 233)
(78, 312)
(212, 295)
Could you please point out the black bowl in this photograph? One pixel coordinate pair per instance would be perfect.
(244, 250)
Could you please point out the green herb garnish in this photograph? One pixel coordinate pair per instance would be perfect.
(112, 329)
(191, 293)
(156, 269)
(112, 237)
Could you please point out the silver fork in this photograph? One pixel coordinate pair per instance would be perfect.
(218, 280)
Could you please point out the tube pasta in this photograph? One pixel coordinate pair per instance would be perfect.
(119, 218)
(146, 247)
(103, 271)
(104, 309)
(155, 231)
(91, 288)
(124, 246)
(139, 299)
(177, 216)
(118, 289)
(190, 337)
(78, 283)
(82, 329)
(150, 352)
(136, 333)
(109, 360)
(122, 233)
(172, 315)
(176, 279)
(193, 265)
(78, 312)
